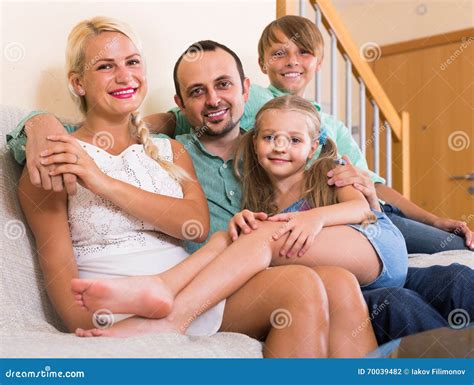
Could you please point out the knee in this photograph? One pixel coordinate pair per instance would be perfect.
(303, 286)
(343, 287)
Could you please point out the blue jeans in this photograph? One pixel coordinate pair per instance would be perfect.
(427, 299)
(423, 238)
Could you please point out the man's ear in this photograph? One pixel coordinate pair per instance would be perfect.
(246, 89)
(179, 102)
(262, 65)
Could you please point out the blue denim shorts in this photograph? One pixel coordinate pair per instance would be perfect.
(390, 246)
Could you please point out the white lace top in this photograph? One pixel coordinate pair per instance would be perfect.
(98, 226)
(110, 243)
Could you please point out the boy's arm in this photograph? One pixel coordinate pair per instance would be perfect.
(28, 140)
(413, 211)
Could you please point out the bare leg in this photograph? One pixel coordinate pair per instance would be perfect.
(350, 331)
(149, 296)
(250, 254)
(340, 246)
(284, 306)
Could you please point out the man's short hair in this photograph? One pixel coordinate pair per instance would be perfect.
(196, 49)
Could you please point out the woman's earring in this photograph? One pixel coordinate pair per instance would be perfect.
(82, 92)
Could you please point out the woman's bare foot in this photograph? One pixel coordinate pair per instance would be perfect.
(132, 327)
(146, 296)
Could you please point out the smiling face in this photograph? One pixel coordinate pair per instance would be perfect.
(211, 92)
(289, 67)
(113, 81)
(283, 143)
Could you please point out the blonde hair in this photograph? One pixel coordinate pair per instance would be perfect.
(300, 30)
(76, 64)
(257, 190)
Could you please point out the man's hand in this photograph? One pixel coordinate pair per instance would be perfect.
(457, 227)
(37, 129)
(344, 175)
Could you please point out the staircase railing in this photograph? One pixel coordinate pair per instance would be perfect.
(385, 120)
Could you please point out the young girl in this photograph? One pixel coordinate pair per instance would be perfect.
(273, 164)
(135, 202)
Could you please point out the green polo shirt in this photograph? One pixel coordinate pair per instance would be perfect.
(222, 189)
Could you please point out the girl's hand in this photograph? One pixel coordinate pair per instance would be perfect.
(303, 228)
(244, 222)
(68, 157)
(457, 227)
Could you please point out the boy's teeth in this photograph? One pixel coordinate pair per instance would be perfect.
(292, 75)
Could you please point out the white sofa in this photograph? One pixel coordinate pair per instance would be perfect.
(29, 325)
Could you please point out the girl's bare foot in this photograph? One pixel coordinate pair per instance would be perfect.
(132, 327)
(146, 296)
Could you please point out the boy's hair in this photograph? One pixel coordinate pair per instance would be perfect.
(196, 49)
(302, 31)
(257, 189)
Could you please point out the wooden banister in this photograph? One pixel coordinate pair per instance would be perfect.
(360, 68)
(399, 123)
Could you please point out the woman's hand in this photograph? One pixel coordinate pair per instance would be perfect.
(303, 228)
(244, 222)
(68, 157)
(457, 227)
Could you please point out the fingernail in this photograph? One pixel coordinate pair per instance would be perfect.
(43, 161)
(44, 153)
(330, 181)
(330, 173)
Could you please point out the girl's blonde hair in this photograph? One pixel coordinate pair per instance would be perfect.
(76, 64)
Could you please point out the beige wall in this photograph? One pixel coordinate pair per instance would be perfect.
(392, 21)
(34, 39)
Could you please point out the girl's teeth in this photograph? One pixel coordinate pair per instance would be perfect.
(123, 92)
(292, 75)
